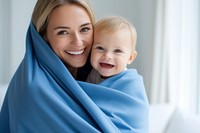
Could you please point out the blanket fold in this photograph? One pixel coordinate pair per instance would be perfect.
(43, 97)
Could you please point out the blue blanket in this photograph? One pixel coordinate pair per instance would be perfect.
(43, 97)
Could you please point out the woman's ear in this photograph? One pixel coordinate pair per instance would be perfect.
(132, 57)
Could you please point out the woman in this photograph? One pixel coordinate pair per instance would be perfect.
(68, 29)
(44, 97)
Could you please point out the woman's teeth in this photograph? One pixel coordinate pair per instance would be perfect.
(75, 52)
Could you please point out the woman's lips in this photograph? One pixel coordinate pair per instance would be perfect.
(79, 52)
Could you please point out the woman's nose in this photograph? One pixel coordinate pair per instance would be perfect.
(77, 39)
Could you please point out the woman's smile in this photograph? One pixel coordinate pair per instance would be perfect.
(74, 52)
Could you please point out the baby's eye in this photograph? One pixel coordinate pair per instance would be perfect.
(118, 51)
(62, 32)
(99, 48)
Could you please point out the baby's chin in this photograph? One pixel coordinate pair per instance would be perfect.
(107, 75)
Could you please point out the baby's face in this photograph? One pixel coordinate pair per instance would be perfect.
(111, 52)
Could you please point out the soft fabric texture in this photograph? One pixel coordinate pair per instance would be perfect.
(159, 117)
(182, 122)
(43, 97)
(3, 88)
(95, 77)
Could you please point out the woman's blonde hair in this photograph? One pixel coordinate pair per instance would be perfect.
(113, 24)
(43, 9)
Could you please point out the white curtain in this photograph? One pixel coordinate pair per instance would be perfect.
(176, 70)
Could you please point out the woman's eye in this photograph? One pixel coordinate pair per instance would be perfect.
(118, 51)
(62, 32)
(86, 29)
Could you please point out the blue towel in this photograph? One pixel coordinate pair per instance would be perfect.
(43, 97)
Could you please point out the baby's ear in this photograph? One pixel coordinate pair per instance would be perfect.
(132, 57)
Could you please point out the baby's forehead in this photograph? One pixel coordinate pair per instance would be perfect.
(110, 32)
(114, 40)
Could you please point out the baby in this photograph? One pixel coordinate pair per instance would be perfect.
(113, 48)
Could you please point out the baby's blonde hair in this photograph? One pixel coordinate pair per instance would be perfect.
(113, 24)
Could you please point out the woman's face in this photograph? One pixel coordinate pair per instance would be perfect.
(70, 34)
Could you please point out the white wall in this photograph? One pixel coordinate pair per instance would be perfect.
(4, 40)
(16, 18)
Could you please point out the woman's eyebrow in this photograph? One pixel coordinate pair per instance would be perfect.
(61, 27)
(86, 24)
(66, 27)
